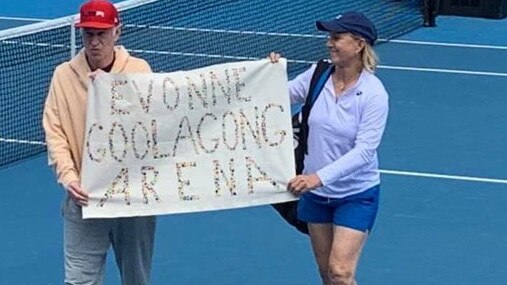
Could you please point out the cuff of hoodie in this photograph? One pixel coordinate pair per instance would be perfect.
(325, 177)
(68, 178)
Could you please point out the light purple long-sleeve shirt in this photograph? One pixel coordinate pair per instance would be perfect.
(345, 133)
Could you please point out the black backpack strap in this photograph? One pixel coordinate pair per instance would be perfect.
(320, 76)
(288, 210)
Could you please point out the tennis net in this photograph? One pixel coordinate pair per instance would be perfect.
(174, 35)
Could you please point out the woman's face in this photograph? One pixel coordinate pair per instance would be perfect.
(344, 48)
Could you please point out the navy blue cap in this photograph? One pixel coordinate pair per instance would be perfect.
(351, 22)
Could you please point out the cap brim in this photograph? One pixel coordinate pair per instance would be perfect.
(94, 25)
(330, 26)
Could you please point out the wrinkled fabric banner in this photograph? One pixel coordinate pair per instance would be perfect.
(213, 138)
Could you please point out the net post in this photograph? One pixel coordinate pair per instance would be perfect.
(430, 11)
(72, 38)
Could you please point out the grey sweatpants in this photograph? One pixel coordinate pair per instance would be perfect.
(86, 243)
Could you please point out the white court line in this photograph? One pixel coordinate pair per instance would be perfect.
(23, 19)
(34, 44)
(444, 44)
(392, 67)
(443, 176)
(383, 171)
(211, 55)
(21, 141)
(455, 71)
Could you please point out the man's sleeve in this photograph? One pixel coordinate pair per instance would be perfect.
(147, 67)
(59, 155)
(141, 66)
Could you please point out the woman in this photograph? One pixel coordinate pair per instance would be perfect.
(339, 187)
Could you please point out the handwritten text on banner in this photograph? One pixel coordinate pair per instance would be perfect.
(212, 138)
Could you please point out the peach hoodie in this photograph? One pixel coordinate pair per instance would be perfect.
(64, 114)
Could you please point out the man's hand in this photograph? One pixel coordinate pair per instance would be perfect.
(274, 57)
(78, 195)
(94, 74)
(304, 183)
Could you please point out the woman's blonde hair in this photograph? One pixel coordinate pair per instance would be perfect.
(369, 57)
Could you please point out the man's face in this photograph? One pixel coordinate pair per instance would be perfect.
(99, 45)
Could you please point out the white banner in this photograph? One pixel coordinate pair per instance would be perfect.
(212, 138)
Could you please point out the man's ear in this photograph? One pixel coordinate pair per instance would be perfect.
(117, 33)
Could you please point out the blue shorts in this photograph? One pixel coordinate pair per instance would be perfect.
(356, 211)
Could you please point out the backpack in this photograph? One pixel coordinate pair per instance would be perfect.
(288, 210)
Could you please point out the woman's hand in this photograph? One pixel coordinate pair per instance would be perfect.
(274, 57)
(304, 183)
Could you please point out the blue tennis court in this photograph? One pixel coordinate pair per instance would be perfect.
(442, 216)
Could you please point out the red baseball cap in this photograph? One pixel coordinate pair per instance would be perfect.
(98, 14)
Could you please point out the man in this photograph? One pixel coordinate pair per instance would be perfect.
(86, 241)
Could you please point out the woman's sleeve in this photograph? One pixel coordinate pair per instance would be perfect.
(370, 131)
(298, 87)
